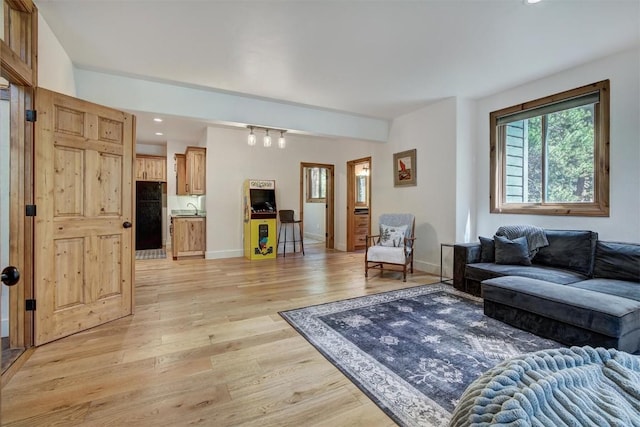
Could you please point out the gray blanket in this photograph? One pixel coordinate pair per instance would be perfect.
(577, 386)
(536, 237)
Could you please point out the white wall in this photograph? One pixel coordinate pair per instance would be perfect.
(623, 70)
(432, 132)
(230, 161)
(55, 70)
(466, 154)
(151, 149)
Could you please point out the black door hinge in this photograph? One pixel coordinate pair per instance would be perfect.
(30, 305)
(326, 234)
(31, 115)
(30, 210)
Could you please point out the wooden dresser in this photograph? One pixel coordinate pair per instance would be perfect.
(360, 230)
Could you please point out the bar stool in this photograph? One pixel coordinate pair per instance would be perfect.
(286, 219)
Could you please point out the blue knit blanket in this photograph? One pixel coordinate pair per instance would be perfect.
(577, 386)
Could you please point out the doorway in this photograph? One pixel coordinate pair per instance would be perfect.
(358, 203)
(317, 203)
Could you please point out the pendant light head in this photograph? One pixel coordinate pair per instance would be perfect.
(267, 139)
(281, 141)
(252, 137)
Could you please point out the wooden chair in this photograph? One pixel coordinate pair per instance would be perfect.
(392, 250)
(286, 219)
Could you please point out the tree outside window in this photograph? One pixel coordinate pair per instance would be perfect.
(316, 185)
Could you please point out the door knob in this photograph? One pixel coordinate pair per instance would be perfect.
(10, 275)
(126, 224)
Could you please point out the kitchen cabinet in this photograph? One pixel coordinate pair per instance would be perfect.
(151, 168)
(196, 164)
(188, 236)
(191, 173)
(181, 174)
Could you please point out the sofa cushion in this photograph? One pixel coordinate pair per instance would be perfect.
(487, 249)
(514, 251)
(619, 261)
(610, 315)
(621, 288)
(571, 250)
(487, 270)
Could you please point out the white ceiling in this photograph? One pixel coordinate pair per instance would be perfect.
(375, 58)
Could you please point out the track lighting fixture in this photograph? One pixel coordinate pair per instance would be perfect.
(251, 139)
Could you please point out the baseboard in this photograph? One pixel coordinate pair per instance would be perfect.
(236, 253)
(427, 267)
(313, 236)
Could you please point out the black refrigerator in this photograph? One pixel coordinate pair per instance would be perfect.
(148, 215)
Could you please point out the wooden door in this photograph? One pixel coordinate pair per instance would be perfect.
(84, 200)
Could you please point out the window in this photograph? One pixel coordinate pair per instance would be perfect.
(316, 185)
(551, 156)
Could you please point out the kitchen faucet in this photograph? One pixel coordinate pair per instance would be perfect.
(194, 207)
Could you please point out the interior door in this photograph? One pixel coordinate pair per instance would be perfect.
(84, 199)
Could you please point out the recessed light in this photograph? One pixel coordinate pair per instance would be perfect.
(157, 119)
(159, 133)
(532, 1)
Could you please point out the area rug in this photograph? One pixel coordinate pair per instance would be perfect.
(151, 254)
(412, 351)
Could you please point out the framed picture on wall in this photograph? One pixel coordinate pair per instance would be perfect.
(404, 168)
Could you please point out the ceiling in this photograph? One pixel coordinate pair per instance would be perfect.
(375, 58)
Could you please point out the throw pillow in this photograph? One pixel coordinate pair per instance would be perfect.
(514, 251)
(392, 235)
(487, 249)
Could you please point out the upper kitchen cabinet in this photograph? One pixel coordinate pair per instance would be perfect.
(181, 174)
(191, 171)
(151, 168)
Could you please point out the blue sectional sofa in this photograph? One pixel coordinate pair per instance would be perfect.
(577, 290)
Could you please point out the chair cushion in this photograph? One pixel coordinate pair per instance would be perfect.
(386, 254)
(391, 235)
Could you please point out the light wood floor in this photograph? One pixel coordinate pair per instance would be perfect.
(206, 346)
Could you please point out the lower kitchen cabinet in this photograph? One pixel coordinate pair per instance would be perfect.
(188, 237)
